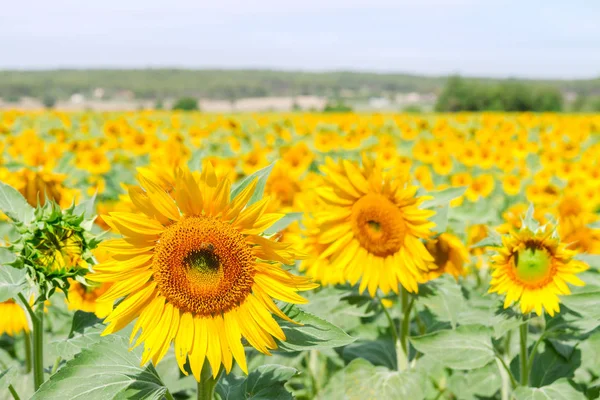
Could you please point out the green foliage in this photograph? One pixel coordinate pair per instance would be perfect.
(186, 104)
(362, 380)
(337, 106)
(12, 281)
(14, 205)
(266, 382)
(451, 347)
(105, 370)
(49, 101)
(560, 389)
(261, 177)
(313, 333)
(463, 95)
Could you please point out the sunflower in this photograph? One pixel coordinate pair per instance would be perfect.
(449, 254)
(14, 319)
(534, 267)
(85, 298)
(194, 269)
(372, 228)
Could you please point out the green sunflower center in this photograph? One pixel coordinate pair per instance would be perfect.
(532, 264)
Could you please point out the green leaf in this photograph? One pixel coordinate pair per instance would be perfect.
(467, 347)
(87, 208)
(550, 366)
(443, 197)
(559, 390)
(14, 205)
(12, 282)
(586, 305)
(85, 331)
(261, 176)
(312, 333)
(378, 352)
(441, 218)
(362, 380)
(494, 239)
(105, 370)
(481, 382)
(284, 222)
(444, 299)
(265, 383)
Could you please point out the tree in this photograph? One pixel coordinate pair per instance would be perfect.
(186, 104)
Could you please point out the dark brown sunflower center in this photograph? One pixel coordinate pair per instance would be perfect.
(440, 250)
(378, 225)
(204, 266)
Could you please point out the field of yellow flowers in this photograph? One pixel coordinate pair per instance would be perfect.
(154, 254)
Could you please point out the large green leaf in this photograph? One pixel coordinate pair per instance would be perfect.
(12, 282)
(444, 299)
(550, 366)
(261, 176)
(586, 305)
(265, 383)
(105, 370)
(481, 382)
(378, 352)
(467, 347)
(85, 331)
(559, 390)
(362, 380)
(310, 332)
(14, 205)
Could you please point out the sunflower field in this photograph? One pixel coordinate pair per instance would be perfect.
(181, 255)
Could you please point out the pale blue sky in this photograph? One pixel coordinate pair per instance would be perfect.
(527, 38)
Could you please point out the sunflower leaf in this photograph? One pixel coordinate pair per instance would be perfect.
(362, 380)
(14, 205)
(85, 331)
(105, 370)
(261, 176)
(283, 223)
(561, 389)
(313, 333)
(443, 197)
(265, 382)
(450, 346)
(12, 282)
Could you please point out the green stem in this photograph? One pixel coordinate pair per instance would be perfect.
(14, 393)
(404, 331)
(206, 388)
(393, 329)
(27, 342)
(524, 329)
(168, 395)
(38, 347)
(532, 354)
(513, 381)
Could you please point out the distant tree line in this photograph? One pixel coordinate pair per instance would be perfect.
(464, 95)
(236, 84)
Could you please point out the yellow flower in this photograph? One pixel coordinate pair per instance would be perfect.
(85, 298)
(41, 184)
(373, 227)
(283, 188)
(194, 269)
(511, 185)
(442, 165)
(449, 254)
(534, 268)
(481, 186)
(93, 161)
(14, 320)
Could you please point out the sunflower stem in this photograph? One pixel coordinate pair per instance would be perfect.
(168, 395)
(207, 386)
(523, 330)
(38, 348)
(14, 393)
(27, 343)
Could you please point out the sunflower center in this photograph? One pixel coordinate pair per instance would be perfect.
(440, 250)
(378, 225)
(533, 265)
(203, 266)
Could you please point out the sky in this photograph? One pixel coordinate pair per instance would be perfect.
(499, 38)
